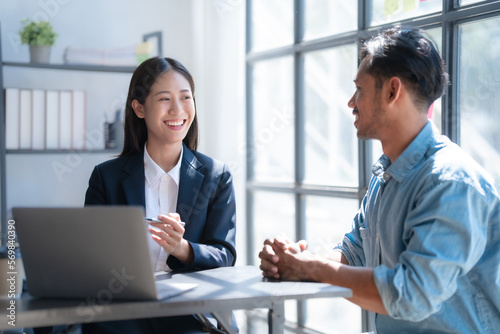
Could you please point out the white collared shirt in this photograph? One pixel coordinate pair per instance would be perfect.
(162, 190)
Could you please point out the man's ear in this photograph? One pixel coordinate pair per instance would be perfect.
(138, 108)
(394, 89)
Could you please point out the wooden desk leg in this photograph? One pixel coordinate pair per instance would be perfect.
(276, 318)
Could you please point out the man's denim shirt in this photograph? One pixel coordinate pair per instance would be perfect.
(430, 226)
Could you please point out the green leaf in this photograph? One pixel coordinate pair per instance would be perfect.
(37, 33)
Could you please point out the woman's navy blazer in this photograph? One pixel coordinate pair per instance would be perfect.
(206, 203)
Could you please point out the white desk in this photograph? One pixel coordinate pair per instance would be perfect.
(219, 290)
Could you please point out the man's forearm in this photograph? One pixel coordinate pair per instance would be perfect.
(358, 279)
(337, 256)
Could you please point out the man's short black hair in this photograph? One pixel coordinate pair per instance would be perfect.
(410, 55)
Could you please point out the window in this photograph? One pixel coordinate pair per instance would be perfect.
(306, 170)
(331, 146)
(327, 218)
(384, 11)
(273, 120)
(479, 92)
(328, 17)
(272, 23)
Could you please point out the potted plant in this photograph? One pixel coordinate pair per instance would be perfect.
(40, 36)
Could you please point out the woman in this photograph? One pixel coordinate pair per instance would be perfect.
(160, 169)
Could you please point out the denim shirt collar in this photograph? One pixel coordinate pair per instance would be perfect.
(383, 169)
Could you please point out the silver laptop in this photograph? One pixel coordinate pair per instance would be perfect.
(96, 252)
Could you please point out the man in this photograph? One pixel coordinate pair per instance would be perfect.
(424, 251)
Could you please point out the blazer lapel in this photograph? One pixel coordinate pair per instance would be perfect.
(133, 183)
(190, 184)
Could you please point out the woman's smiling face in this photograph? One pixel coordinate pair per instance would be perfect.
(169, 108)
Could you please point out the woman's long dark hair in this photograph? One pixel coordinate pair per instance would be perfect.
(142, 80)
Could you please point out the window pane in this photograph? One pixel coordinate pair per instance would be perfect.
(273, 117)
(479, 97)
(331, 145)
(274, 214)
(327, 220)
(329, 17)
(383, 11)
(272, 23)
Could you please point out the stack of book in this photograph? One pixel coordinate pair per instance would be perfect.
(38, 119)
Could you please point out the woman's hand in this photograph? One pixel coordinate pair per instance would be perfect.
(169, 235)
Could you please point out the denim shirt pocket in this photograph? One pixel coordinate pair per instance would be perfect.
(367, 239)
(483, 310)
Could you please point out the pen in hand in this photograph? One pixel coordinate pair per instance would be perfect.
(154, 220)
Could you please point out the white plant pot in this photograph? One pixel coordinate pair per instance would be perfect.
(40, 54)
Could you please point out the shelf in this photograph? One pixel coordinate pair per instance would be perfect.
(74, 67)
(109, 151)
(39, 154)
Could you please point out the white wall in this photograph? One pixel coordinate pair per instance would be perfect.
(99, 24)
(207, 36)
(219, 46)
